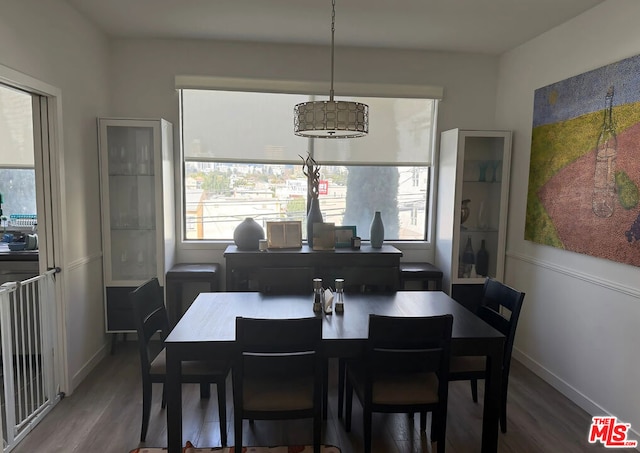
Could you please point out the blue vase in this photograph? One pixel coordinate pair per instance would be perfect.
(314, 216)
(247, 234)
(377, 231)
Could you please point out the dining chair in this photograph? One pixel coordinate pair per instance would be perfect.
(500, 307)
(151, 317)
(286, 280)
(404, 369)
(277, 373)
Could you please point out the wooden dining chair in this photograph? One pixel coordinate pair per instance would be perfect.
(500, 307)
(278, 372)
(151, 317)
(405, 369)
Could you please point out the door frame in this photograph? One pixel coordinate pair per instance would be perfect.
(50, 196)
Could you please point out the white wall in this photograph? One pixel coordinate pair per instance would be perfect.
(579, 323)
(143, 83)
(51, 42)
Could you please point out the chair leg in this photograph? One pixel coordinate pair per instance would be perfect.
(423, 421)
(474, 390)
(205, 390)
(341, 372)
(317, 423)
(441, 427)
(164, 396)
(367, 421)
(147, 392)
(348, 407)
(325, 389)
(503, 404)
(222, 411)
(237, 430)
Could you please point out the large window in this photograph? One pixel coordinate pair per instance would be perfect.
(241, 159)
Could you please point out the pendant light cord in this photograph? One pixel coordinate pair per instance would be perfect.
(333, 31)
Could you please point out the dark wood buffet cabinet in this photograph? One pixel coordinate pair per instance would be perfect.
(293, 270)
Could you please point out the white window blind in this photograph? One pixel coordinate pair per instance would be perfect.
(16, 129)
(256, 125)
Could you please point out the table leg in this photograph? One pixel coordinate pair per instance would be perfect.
(491, 415)
(174, 402)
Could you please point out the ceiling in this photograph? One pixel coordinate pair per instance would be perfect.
(484, 26)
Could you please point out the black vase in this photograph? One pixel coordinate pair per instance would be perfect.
(247, 234)
(482, 261)
(313, 216)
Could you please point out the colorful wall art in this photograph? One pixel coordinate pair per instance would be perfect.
(584, 174)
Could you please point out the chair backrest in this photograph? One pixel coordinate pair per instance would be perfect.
(150, 317)
(416, 344)
(286, 280)
(498, 302)
(278, 347)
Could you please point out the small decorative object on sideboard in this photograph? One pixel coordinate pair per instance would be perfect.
(324, 236)
(314, 217)
(344, 235)
(247, 234)
(377, 231)
(284, 234)
(311, 170)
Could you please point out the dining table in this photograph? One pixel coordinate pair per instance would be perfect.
(207, 330)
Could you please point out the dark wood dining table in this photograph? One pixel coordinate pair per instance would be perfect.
(207, 330)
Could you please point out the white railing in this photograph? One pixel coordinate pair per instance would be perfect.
(27, 331)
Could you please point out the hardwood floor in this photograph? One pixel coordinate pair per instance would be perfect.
(104, 415)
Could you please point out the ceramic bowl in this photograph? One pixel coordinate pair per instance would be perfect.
(17, 246)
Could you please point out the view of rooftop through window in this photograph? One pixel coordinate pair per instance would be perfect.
(241, 159)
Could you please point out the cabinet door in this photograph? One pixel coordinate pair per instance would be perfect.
(136, 184)
(481, 201)
(129, 197)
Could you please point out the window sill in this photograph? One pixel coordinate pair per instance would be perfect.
(222, 245)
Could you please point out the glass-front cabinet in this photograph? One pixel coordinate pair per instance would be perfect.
(136, 158)
(473, 191)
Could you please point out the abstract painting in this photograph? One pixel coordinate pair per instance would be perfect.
(584, 172)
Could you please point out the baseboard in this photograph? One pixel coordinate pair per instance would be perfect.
(89, 366)
(579, 398)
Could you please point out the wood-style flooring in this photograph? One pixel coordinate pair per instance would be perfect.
(104, 415)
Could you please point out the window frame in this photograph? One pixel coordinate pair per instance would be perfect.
(434, 93)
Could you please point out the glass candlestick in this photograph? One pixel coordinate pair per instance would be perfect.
(339, 302)
(317, 294)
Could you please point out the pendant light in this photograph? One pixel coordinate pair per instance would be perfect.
(331, 119)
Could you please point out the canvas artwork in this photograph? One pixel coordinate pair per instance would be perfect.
(585, 164)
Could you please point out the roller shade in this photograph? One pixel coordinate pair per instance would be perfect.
(16, 129)
(248, 126)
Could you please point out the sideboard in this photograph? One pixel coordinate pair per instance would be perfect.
(293, 270)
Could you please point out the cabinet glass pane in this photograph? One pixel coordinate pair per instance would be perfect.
(131, 202)
(133, 254)
(130, 150)
(480, 206)
(132, 207)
